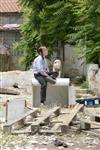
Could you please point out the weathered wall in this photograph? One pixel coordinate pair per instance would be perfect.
(6, 63)
(10, 18)
(8, 38)
(74, 65)
(93, 77)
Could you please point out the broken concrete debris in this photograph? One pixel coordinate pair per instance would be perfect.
(49, 122)
(60, 143)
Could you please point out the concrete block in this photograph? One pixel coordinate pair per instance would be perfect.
(15, 108)
(72, 95)
(85, 125)
(57, 94)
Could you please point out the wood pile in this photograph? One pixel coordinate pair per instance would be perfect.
(54, 121)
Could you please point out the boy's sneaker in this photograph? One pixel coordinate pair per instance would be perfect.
(43, 103)
(50, 79)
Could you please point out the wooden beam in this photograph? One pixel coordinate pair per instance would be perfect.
(8, 126)
(35, 127)
(8, 91)
(49, 132)
(86, 124)
(93, 133)
(71, 117)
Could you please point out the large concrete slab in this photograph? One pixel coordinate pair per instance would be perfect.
(57, 94)
(15, 108)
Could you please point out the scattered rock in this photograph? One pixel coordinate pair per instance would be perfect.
(77, 149)
(33, 142)
(70, 143)
(60, 143)
(15, 85)
(60, 147)
(44, 143)
(28, 119)
(40, 149)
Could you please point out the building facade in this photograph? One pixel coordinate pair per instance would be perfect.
(10, 21)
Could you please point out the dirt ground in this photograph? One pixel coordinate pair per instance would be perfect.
(74, 140)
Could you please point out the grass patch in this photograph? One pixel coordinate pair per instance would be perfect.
(85, 85)
(78, 96)
(79, 80)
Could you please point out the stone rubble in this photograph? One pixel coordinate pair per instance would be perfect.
(93, 77)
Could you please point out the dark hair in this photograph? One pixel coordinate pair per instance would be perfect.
(40, 51)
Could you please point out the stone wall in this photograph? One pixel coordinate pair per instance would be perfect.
(9, 36)
(74, 64)
(93, 77)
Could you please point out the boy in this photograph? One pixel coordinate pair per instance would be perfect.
(41, 72)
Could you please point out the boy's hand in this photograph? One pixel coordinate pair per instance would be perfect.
(46, 74)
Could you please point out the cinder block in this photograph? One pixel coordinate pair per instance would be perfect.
(95, 118)
(85, 125)
(7, 129)
(64, 128)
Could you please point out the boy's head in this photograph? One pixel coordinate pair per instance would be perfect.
(43, 51)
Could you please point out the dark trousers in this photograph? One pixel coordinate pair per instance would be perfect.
(43, 82)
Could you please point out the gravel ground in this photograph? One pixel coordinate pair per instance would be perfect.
(42, 142)
(74, 140)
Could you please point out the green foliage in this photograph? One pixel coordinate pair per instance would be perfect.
(87, 29)
(45, 23)
(67, 21)
(79, 80)
(85, 85)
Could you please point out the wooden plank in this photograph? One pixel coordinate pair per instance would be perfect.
(55, 127)
(93, 133)
(70, 117)
(46, 118)
(90, 132)
(8, 126)
(21, 132)
(8, 91)
(40, 132)
(91, 122)
(86, 124)
(49, 132)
